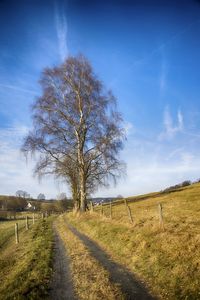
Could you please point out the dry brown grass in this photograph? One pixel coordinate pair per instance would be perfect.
(167, 260)
(91, 280)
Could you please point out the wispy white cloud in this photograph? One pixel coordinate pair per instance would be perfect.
(168, 42)
(162, 79)
(174, 153)
(170, 128)
(163, 73)
(129, 128)
(17, 88)
(61, 30)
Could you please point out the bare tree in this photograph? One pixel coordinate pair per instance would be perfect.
(22, 194)
(61, 196)
(41, 196)
(76, 129)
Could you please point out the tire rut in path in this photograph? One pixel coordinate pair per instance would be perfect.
(61, 287)
(130, 286)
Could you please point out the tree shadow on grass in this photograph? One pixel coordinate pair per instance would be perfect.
(130, 286)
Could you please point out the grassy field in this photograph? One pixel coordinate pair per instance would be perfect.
(167, 260)
(7, 231)
(25, 268)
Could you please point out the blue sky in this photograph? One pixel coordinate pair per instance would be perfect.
(147, 52)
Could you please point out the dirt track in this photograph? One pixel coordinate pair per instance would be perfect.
(61, 286)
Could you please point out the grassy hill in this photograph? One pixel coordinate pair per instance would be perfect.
(166, 259)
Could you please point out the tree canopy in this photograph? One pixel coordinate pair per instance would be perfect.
(76, 129)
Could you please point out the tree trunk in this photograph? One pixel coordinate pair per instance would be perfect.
(81, 164)
(82, 191)
(75, 196)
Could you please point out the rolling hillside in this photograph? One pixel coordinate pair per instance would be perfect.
(103, 255)
(165, 257)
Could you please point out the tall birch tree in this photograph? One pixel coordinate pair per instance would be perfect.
(77, 129)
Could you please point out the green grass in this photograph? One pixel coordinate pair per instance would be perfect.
(25, 269)
(167, 260)
(7, 231)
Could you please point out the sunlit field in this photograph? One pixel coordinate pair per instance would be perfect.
(25, 268)
(165, 256)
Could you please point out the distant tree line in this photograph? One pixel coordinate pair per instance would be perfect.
(22, 194)
(20, 203)
(179, 185)
(12, 203)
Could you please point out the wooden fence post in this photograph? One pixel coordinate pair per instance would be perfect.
(27, 227)
(128, 211)
(91, 207)
(33, 218)
(46, 214)
(160, 209)
(110, 209)
(16, 233)
(101, 209)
